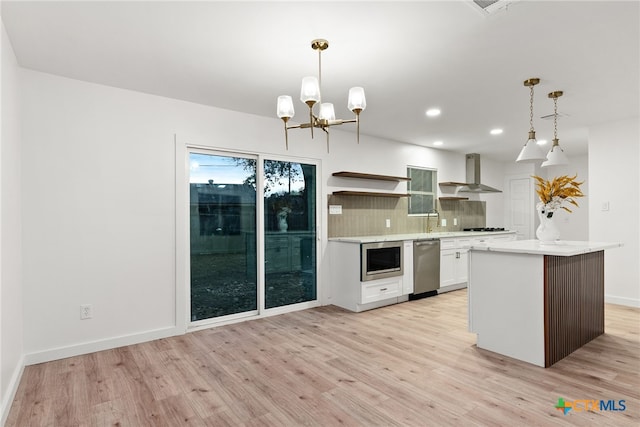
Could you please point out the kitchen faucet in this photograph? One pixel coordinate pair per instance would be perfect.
(429, 229)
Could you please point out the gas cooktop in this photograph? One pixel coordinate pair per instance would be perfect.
(484, 229)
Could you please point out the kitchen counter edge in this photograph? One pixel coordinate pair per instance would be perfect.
(535, 247)
(417, 236)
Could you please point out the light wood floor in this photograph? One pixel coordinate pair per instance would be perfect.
(412, 364)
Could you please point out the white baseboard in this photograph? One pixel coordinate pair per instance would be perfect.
(99, 345)
(12, 388)
(630, 302)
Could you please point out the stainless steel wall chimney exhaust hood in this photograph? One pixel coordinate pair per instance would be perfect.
(473, 184)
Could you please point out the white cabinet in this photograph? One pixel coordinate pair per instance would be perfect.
(454, 264)
(348, 291)
(454, 259)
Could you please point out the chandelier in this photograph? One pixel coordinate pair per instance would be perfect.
(555, 156)
(310, 95)
(531, 152)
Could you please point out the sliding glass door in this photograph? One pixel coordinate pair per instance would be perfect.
(228, 243)
(223, 235)
(290, 232)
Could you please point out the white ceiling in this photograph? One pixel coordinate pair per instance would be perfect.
(408, 56)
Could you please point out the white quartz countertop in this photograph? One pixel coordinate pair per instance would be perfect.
(535, 247)
(416, 236)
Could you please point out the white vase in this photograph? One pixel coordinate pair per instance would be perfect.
(282, 224)
(548, 231)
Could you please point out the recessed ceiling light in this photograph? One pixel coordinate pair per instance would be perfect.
(542, 141)
(433, 112)
(438, 143)
(496, 131)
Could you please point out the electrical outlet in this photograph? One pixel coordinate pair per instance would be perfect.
(455, 221)
(388, 223)
(86, 311)
(335, 209)
(443, 222)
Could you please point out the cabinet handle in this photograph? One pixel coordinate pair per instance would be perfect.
(383, 289)
(457, 254)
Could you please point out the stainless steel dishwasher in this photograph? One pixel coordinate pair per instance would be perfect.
(426, 268)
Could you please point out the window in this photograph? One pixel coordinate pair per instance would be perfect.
(422, 190)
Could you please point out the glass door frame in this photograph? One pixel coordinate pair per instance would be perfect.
(182, 237)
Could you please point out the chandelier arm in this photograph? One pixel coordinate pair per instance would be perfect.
(311, 120)
(324, 128)
(286, 134)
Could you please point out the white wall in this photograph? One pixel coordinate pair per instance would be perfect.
(614, 179)
(99, 203)
(11, 332)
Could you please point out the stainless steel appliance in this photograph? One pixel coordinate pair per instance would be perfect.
(426, 268)
(380, 260)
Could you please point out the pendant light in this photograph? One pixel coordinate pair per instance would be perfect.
(555, 156)
(531, 152)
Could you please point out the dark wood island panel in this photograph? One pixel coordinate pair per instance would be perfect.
(573, 303)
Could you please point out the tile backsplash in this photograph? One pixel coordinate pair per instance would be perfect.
(368, 215)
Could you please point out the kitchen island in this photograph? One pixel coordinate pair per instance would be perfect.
(536, 302)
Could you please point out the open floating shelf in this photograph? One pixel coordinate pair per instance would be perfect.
(371, 176)
(369, 193)
(452, 184)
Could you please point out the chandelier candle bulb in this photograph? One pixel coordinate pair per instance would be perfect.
(285, 107)
(310, 91)
(357, 100)
(327, 112)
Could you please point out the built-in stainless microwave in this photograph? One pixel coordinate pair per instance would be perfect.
(380, 259)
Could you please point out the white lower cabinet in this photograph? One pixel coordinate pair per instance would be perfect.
(454, 259)
(454, 264)
(348, 291)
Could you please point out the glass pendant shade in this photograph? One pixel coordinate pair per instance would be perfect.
(357, 101)
(327, 112)
(556, 156)
(531, 152)
(285, 107)
(310, 91)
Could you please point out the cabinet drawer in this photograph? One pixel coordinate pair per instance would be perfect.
(381, 290)
(448, 243)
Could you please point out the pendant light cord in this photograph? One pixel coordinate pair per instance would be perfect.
(555, 118)
(531, 109)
